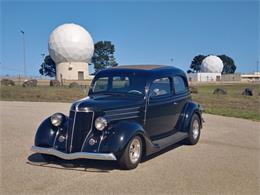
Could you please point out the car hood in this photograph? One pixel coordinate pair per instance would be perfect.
(107, 102)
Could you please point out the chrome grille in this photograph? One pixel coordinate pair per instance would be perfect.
(80, 124)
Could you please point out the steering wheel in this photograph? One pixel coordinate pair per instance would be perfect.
(135, 91)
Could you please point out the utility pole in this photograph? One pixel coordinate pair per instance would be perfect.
(24, 53)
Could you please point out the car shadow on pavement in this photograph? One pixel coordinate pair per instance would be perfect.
(78, 165)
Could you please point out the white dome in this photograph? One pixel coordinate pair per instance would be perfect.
(212, 64)
(70, 43)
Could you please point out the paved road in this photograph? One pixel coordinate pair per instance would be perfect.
(226, 160)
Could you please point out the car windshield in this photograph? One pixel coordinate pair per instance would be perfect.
(119, 84)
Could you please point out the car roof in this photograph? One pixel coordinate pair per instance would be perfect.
(150, 70)
(141, 67)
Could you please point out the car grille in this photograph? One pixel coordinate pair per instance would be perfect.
(80, 124)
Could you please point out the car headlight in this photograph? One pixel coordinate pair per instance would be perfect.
(100, 123)
(56, 119)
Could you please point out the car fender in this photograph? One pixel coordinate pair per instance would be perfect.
(119, 136)
(46, 133)
(188, 111)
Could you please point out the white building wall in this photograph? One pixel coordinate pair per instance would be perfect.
(69, 70)
(204, 77)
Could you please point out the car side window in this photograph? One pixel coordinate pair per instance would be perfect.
(160, 87)
(179, 85)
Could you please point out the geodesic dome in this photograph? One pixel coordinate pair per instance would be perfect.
(212, 64)
(70, 43)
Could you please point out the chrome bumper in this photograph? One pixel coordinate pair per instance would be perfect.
(76, 155)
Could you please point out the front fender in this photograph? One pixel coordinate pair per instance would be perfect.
(46, 132)
(119, 136)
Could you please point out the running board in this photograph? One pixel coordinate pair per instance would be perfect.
(167, 141)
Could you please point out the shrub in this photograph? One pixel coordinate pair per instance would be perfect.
(219, 91)
(73, 85)
(54, 83)
(30, 83)
(248, 92)
(7, 82)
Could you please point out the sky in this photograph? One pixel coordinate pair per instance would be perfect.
(143, 32)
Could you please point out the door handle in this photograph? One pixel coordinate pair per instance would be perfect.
(175, 103)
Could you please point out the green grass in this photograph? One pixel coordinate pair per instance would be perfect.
(233, 104)
(42, 94)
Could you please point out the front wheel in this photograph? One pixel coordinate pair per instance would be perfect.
(132, 154)
(194, 130)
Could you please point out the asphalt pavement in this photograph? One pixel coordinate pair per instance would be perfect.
(226, 160)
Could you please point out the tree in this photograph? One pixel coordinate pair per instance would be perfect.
(48, 67)
(196, 63)
(103, 56)
(229, 64)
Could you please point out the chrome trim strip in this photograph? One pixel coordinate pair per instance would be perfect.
(57, 133)
(76, 155)
(122, 109)
(125, 113)
(101, 139)
(121, 118)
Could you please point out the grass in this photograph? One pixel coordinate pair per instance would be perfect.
(233, 104)
(42, 94)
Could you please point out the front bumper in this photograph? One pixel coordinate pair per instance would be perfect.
(76, 155)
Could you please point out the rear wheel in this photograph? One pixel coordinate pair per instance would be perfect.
(132, 154)
(194, 130)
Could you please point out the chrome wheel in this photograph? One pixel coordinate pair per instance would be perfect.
(195, 129)
(135, 150)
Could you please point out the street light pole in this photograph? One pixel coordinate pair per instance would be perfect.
(24, 55)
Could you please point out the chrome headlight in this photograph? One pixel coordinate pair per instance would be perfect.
(56, 119)
(100, 123)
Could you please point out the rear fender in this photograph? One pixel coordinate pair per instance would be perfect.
(186, 115)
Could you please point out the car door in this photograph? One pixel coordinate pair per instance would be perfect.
(181, 95)
(160, 113)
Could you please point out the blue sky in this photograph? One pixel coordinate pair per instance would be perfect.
(146, 32)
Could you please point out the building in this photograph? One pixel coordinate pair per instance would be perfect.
(253, 77)
(204, 77)
(71, 47)
(211, 68)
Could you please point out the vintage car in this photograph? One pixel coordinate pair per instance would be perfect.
(130, 112)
